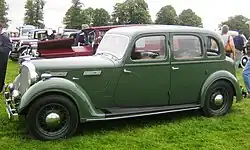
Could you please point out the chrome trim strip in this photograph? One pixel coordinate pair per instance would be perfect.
(92, 73)
(146, 114)
(59, 74)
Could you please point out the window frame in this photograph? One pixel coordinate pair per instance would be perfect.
(197, 35)
(166, 48)
(207, 37)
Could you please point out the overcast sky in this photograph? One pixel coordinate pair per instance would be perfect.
(212, 12)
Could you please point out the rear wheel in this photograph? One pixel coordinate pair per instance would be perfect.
(52, 117)
(219, 99)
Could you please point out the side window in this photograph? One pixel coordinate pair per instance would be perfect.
(212, 47)
(187, 47)
(148, 48)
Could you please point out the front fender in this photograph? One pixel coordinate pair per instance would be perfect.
(61, 85)
(221, 75)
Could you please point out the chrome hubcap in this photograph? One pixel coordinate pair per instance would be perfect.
(53, 120)
(218, 99)
(244, 60)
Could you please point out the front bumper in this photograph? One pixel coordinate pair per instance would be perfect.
(11, 98)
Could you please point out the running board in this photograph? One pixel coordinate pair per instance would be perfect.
(168, 109)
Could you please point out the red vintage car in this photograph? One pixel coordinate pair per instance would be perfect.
(68, 47)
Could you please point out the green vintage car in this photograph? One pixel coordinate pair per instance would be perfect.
(136, 71)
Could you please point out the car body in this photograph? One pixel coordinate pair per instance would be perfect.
(136, 71)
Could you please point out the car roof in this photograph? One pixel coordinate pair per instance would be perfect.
(135, 30)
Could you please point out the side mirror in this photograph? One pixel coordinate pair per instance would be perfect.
(140, 44)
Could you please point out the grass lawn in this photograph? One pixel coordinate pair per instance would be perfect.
(185, 130)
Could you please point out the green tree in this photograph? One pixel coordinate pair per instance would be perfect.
(119, 16)
(238, 22)
(3, 13)
(167, 15)
(90, 14)
(101, 17)
(38, 9)
(75, 16)
(34, 13)
(189, 18)
(29, 17)
(131, 12)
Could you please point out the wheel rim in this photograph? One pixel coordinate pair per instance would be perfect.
(243, 61)
(218, 99)
(52, 119)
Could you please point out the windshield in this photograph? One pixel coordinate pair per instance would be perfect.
(114, 44)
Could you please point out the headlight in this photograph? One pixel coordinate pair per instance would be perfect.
(33, 77)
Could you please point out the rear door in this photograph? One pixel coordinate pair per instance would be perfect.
(187, 68)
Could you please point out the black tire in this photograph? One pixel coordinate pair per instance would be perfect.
(56, 105)
(219, 88)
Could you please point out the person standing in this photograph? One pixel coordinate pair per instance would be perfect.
(239, 43)
(228, 42)
(246, 71)
(5, 49)
(81, 37)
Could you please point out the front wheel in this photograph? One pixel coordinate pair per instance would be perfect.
(52, 117)
(219, 99)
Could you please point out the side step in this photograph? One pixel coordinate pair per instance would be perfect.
(119, 113)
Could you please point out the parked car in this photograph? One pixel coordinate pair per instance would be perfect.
(136, 71)
(23, 47)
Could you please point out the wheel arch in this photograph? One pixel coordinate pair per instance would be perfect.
(63, 87)
(25, 110)
(221, 76)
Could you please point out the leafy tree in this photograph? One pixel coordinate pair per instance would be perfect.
(29, 17)
(131, 12)
(238, 22)
(189, 18)
(34, 13)
(119, 16)
(101, 17)
(167, 15)
(38, 9)
(90, 13)
(75, 16)
(3, 13)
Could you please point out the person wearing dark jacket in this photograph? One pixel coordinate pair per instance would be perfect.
(239, 41)
(5, 48)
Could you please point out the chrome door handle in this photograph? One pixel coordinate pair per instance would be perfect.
(126, 71)
(175, 68)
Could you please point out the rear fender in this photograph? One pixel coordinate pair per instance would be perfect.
(60, 85)
(221, 75)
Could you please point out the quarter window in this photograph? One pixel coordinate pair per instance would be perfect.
(186, 47)
(148, 48)
(212, 47)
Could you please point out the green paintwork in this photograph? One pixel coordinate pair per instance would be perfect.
(148, 83)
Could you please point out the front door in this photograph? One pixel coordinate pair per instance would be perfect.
(187, 68)
(145, 77)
